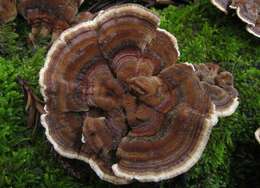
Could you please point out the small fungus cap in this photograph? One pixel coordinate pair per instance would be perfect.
(219, 85)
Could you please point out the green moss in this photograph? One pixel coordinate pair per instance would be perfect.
(8, 40)
(231, 158)
(206, 35)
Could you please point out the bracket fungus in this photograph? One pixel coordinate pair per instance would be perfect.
(48, 16)
(219, 85)
(248, 11)
(8, 10)
(116, 98)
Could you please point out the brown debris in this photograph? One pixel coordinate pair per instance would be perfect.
(34, 106)
(8, 10)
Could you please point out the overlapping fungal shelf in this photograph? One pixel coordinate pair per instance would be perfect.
(116, 99)
(248, 11)
(48, 16)
(219, 86)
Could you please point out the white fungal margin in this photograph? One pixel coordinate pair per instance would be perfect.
(182, 168)
(73, 155)
(61, 41)
(219, 6)
(83, 139)
(238, 11)
(173, 39)
(230, 109)
(81, 1)
(243, 18)
(137, 10)
(257, 135)
(123, 177)
(191, 65)
(232, 6)
(62, 151)
(250, 30)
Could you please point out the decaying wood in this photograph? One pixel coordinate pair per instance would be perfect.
(34, 106)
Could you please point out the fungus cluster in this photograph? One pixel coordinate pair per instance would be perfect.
(219, 86)
(248, 11)
(48, 16)
(116, 98)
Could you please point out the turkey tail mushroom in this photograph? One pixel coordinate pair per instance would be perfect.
(116, 99)
(255, 29)
(48, 16)
(218, 84)
(248, 11)
(221, 4)
(8, 10)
